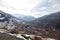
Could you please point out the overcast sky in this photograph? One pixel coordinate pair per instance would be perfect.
(36, 8)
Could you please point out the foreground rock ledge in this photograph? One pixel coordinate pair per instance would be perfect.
(4, 36)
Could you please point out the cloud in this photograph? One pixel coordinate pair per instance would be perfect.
(46, 7)
(21, 4)
(54, 1)
(18, 6)
(56, 6)
(36, 8)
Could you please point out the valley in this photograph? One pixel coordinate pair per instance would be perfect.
(44, 28)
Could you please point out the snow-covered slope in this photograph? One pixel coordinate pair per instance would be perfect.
(8, 21)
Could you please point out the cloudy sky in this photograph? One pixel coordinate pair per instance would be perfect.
(36, 8)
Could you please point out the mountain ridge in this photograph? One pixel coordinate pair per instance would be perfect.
(48, 20)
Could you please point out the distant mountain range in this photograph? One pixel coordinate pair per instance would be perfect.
(28, 18)
(25, 18)
(52, 20)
